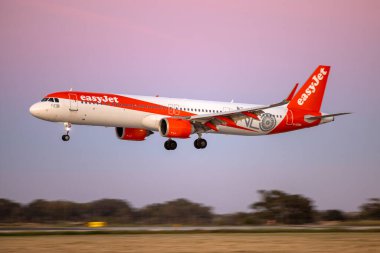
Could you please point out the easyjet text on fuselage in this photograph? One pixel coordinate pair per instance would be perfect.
(97, 99)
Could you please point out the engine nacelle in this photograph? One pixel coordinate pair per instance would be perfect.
(175, 128)
(132, 134)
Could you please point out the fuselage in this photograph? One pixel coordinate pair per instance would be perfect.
(130, 111)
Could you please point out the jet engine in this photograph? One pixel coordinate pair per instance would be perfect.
(175, 128)
(132, 134)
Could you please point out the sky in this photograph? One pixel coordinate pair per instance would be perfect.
(248, 51)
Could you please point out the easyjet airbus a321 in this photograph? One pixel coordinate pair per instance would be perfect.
(137, 117)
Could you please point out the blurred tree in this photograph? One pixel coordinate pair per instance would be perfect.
(283, 208)
(9, 211)
(180, 211)
(114, 210)
(333, 215)
(37, 211)
(371, 210)
(236, 219)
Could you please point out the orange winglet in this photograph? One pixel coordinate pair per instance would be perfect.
(211, 126)
(252, 115)
(291, 95)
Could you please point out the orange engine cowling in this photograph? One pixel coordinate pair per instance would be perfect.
(175, 128)
(132, 134)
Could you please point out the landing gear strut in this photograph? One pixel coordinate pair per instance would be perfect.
(170, 144)
(66, 137)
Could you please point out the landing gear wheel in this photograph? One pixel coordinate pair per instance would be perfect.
(170, 145)
(65, 137)
(196, 144)
(67, 127)
(200, 143)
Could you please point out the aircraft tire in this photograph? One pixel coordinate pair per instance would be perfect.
(200, 143)
(170, 145)
(65, 137)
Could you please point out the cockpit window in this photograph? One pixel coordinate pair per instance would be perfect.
(44, 99)
(56, 100)
(51, 100)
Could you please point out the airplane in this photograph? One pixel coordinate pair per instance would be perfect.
(137, 117)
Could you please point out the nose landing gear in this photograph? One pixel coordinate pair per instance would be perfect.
(66, 137)
(170, 144)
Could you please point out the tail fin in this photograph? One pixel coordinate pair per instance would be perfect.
(310, 96)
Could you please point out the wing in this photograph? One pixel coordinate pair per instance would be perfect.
(206, 122)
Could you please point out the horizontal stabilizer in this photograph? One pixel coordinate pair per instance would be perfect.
(326, 116)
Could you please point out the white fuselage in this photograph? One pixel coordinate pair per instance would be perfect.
(138, 115)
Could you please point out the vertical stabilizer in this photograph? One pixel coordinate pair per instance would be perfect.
(310, 96)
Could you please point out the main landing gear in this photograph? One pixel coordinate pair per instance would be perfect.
(200, 143)
(170, 144)
(66, 137)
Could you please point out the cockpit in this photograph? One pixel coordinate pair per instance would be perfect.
(54, 100)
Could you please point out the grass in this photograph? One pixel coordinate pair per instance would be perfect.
(260, 242)
(361, 223)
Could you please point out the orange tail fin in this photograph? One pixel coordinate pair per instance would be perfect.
(310, 96)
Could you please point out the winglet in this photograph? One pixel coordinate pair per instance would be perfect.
(291, 93)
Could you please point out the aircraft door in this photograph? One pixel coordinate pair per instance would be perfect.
(73, 102)
(289, 118)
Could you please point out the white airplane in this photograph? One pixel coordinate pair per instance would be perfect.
(137, 117)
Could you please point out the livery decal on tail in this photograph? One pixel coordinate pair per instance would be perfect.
(310, 96)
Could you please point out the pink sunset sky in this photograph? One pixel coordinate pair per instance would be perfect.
(248, 51)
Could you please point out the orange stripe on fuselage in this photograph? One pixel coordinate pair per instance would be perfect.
(120, 102)
(124, 102)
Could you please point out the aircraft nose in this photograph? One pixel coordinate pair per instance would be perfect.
(35, 110)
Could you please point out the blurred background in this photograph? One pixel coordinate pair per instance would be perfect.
(248, 51)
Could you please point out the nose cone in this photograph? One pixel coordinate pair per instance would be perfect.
(36, 110)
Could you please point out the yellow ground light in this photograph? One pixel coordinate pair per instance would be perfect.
(96, 224)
